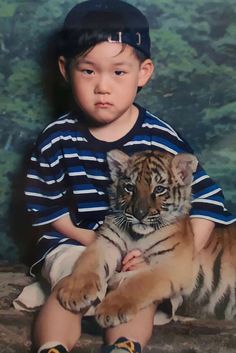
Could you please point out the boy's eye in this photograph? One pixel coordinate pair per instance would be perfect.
(119, 73)
(87, 72)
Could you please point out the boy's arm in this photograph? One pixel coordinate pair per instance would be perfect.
(65, 226)
(202, 229)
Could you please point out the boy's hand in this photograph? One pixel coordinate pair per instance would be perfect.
(133, 261)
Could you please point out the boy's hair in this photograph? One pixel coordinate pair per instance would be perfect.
(96, 21)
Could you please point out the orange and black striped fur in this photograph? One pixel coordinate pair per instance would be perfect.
(150, 200)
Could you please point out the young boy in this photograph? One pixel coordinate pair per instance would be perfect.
(104, 55)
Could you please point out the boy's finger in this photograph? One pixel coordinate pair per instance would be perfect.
(133, 253)
(135, 261)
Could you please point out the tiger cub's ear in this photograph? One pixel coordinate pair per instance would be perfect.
(183, 167)
(117, 162)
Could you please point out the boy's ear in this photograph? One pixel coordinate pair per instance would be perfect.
(145, 73)
(62, 67)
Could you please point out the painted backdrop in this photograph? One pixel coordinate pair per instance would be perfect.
(194, 88)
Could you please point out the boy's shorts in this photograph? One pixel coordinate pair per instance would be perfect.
(60, 262)
(57, 264)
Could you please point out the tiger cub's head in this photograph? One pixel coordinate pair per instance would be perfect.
(150, 189)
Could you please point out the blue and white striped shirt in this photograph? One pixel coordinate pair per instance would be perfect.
(68, 174)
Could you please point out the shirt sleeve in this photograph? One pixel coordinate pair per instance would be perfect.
(208, 199)
(45, 189)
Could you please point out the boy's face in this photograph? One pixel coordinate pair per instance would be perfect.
(105, 81)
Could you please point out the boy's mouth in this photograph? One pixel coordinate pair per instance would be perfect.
(103, 104)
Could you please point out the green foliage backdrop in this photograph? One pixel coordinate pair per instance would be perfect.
(194, 88)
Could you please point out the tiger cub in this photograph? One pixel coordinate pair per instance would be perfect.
(150, 201)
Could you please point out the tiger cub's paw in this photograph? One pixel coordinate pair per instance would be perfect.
(114, 311)
(76, 293)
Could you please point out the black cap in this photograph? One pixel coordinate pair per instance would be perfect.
(125, 22)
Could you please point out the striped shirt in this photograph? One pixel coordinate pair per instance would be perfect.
(68, 174)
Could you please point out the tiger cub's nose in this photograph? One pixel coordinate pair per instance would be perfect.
(140, 213)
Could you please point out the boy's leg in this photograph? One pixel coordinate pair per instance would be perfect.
(55, 324)
(138, 331)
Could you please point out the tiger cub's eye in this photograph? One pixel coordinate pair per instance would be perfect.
(129, 188)
(159, 189)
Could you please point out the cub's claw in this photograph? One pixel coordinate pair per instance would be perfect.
(114, 312)
(76, 293)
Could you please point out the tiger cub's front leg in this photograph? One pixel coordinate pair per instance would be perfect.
(134, 294)
(81, 289)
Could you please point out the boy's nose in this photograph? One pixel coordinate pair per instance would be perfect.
(102, 86)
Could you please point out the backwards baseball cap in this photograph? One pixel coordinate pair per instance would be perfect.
(124, 22)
